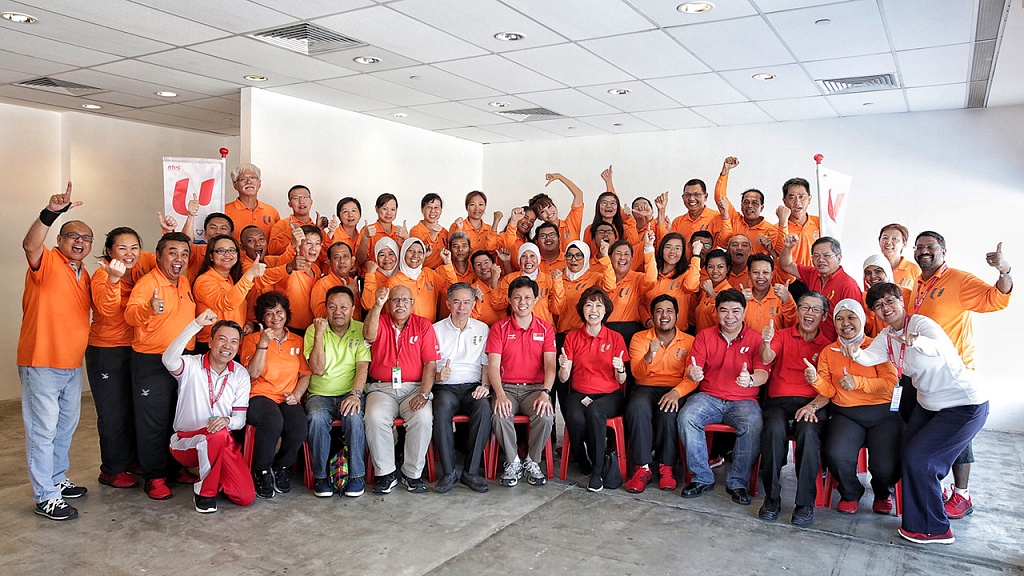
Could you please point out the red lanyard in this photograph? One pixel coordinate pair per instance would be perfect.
(903, 350)
(209, 381)
(920, 297)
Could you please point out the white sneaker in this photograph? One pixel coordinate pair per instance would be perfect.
(513, 472)
(533, 473)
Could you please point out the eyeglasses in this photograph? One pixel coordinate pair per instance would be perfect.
(574, 256)
(248, 179)
(921, 247)
(883, 303)
(75, 236)
(400, 300)
(825, 256)
(223, 251)
(547, 236)
(300, 197)
(690, 195)
(608, 203)
(806, 308)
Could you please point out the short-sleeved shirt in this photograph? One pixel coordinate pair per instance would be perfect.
(421, 231)
(787, 377)
(465, 349)
(723, 360)
(521, 350)
(591, 357)
(264, 216)
(709, 221)
(55, 321)
(284, 362)
(409, 349)
(837, 287)
(341, 354)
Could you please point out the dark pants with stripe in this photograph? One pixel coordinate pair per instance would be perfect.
(110, 379)
(155, 396)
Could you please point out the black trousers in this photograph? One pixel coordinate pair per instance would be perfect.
(110, 379)
(777, 415)
(587, 426)
(155, 396)
(275, 421)
(452, 399)
(650, 428)
(875, 427)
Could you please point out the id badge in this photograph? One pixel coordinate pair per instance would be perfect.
(396, 377)
(897, 394)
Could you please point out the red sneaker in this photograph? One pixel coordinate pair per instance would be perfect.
(947, 491)
(641, 478)
(922, 538)
(882, 506)
(119, 480)
(185, 476)
(957, 506)
(157, 489)
(847, 507)
(715, 462)
(666, 480)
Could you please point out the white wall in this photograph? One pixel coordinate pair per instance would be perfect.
(337, 153)
(957, 172)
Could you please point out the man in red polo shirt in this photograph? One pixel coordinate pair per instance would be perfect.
(521, 362)
(826, 276)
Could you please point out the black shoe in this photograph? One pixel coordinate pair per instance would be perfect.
(445, 484)
(264, 482)
(56, 509)
(769, 511)
(322, 488)
(474, 482)
(694, 489)
(205, 504)
(69, 490)
(384, 484)
(739, 495)
(282, 483)
(414, 485)
(596, 483)
(803, 516)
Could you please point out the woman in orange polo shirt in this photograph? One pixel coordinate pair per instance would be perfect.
(630, 286)
(481, 234)
(349, 212)
(280, 377)
(677, 277)
(221, 286)
(384, 227)
(378, 273)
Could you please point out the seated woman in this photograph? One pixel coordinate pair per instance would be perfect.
(594, 356)
(860, 397)
(221, 286)
(427, 285)
(280, 376)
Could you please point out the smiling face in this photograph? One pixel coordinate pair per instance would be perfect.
(891, 243)
(848, 325)
(739, 250)
(874, 275)
(810, 312)
(593, 311)
(300, 202)
(339, 310)
(482, 267)
(460, 249)
(751, 205)
(825, 261)
(414, 255)
(528, 262)
(717, 270)
(889, 309)
(461, 304)
(694, 198)
(547, 239)
(223, 255)
(760, 276)
(173, 259)
(387, 259)
(75, 249)
(476, 206)
(224, 345)
(387, 212)
(247, 184)
(607, 205)
(730, 316)
(547, 211)
(432, 211)
(522, 301)
(672, 252)
(526, 224)
(217, 226)
(310, 247)
(341, 261)
(664, 316)
(275, 318)
(126, 248)
(929, 254)
(622, 259)
(349, 214)
(254, 243)
(400, 303)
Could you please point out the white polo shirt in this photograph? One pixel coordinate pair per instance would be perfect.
(465, 349)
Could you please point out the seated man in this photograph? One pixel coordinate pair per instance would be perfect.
(213, 396)
(521, 362)
(721, 361)
(460, 387)
(339, 360)
(404, 354)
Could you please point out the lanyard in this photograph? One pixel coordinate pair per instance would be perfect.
(209, 381)
(921, 295)
(903, 351)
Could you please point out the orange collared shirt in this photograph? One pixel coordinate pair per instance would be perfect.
(318, 297)
(421, 231)
(808, 233)
(599, 274)
(214, 291)
(668, 368)
(55, 320)
(630, 290)
(264, 216)
(154, 332)
(483, 239)
(874, 383)
(740, 226)
(771, 307)
(705, 315)
(906, 273)
(550, 297)
(427, 290)
(709, 220)
(281, 369)
(298, 287)
(486, 311)
(683, 288)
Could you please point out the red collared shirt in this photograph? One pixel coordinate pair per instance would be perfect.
(838, 286)
(591, 357)
(409, 349)
(522, 351)
(723, 360)
(791, 349)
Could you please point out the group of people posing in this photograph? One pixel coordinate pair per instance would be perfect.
(306, 325)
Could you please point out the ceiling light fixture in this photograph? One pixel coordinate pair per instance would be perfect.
(366, 60)
(617, 124)
(823, 22)
(92, 106)
(498, 104)
(868, 104)
(19, 18)
(399, 114)
(509, 36)
(695, 7)
(764, 76)
(619, 91)
(256, 78)
(166, 94)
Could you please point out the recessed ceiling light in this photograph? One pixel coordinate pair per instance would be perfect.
(695, 7)
(366, 60)
(509, 36)
(399, 114)
(764, 76)
(414, 77)
(617, 124)
(823, 22)
(868, 104)
(19, 18)
(619, 91)
(166, 94)
(256, 78)
(498, 104)
(570, 127)
(92, 106)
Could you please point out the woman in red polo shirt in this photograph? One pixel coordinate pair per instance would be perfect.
(596, 358)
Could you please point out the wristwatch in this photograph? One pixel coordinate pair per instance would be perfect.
(357, 393)
(546, 391)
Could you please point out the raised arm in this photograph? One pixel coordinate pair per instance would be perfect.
(33, 242)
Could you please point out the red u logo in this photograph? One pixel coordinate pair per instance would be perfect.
(180, 199)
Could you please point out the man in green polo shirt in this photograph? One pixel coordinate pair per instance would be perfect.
(339, 359)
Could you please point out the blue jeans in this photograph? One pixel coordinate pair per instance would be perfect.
(320, 412)
(744, 415)
(51, 402)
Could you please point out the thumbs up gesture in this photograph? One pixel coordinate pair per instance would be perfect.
(445, 372)
(997, 260)
(847, 381)
(371, 229)
(618, 364)
(696, 372)
(768, 332)
(810, 373)
(157, 303)
(744, 380)
(256, 269)
(298, 236)
(563, 361)
(747, 293)
(403, 230)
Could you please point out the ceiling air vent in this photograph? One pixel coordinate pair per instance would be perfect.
(531, 114)
(858, 84)
(308, 39)
(60, 87)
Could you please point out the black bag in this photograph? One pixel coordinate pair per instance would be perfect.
(611, 473)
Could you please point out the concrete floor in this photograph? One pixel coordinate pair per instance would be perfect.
(557, 528)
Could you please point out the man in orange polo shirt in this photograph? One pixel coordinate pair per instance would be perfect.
(54, 334)
(794, 219)
(160, 307)
(765, 236)
(300, 199)
(700, 217)
(247, 209)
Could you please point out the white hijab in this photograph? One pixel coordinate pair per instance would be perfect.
(880, 261)
(855, 307)
(409, 271)
(386, 242)
(582, 247)
(530, 247)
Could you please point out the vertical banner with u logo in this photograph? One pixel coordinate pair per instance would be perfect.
(198, 178)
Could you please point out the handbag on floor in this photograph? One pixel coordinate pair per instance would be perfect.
(611, 473)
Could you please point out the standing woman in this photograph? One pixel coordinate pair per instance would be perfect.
(677, 276)
(349, 212)
(378, 273)
(952, 406)
(221, 286)
(876, 271)
(280, 376)
(630, 286)
(595, 357)
(892, 239)
(481, 234)
(384, 227)
(518, 231)
(427, 285)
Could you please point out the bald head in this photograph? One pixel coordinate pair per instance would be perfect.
(75, 240)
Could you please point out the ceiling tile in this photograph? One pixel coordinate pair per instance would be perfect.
(569, 102)
(514, 103)
(664, 12)
(266, 56)
(129, 100)
(388, 60)
(697, 89)
(224, 105)
(923, 23)
(14, 76)
(640, 97)
(650, 54)
(675, 119)
(790, 82)
(233, 15)
(381, 26)
(777, 5)
(458, 112)
(379, 89)
(521, 131)
(177, 121)
(309, 9)
(477, 135)
(438, 82)
(141, 20)
(730, 44)
(477, 21)
(568, 127)
(570, 65)
(798, 108)
(933, 66)
(330, 97)
(61, 100)
(847, 67)
(117, 83)
(731, 114)
(174, 78)
(499, 73)
(882, 102)
(213, 67)
(619, 123)
(855, 30)
(416, 119)
(184, 111)
(86, 34)
(948, 97)
(54, 50)
(30, 66)
(582, 19)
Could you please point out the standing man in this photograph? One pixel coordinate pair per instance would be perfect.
(826, 276)
(460, 387)
(54, 334)
(765, 236)
(700, 217)
(794, 219)
(404, 354)
(247, 210)
(300, 200)
(521, 362)
(340, 360)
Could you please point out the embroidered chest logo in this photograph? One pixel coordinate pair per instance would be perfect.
(605, 347)
(744, 349)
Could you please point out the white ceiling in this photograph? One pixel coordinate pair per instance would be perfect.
(442, 66)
